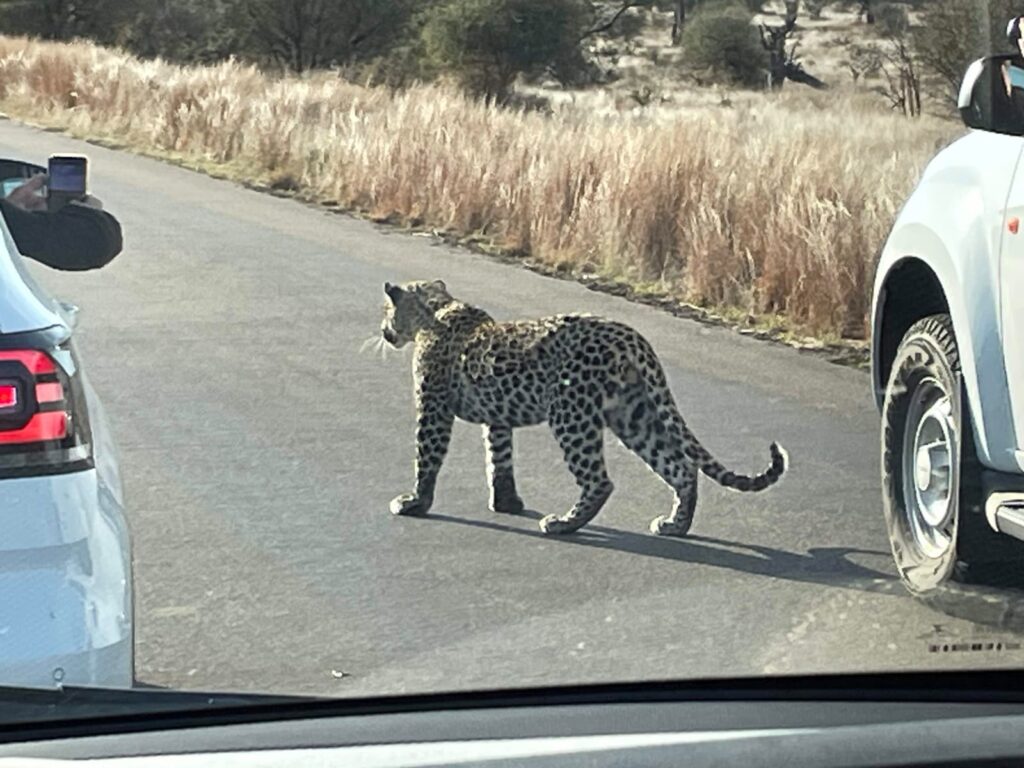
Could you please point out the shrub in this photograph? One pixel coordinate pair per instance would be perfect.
(723, 40)
(485, 44)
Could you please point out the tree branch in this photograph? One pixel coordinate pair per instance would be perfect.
(605, 26)
(798, 74)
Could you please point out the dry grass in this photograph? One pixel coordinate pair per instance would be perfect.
(776, 206)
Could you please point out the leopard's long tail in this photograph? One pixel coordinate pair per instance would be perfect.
(714, 469)
(668, 421)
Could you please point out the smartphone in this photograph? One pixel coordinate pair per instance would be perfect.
(68, 180)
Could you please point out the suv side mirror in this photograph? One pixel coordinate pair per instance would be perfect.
(14, 173)
(992, 95)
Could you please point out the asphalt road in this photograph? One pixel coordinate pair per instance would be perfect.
(261, 447)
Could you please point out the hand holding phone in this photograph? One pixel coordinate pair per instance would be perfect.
(29, 195)
(67, 180)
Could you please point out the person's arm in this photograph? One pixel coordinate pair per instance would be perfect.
(77, 237)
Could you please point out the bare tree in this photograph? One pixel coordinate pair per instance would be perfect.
(951, 34)
(310, 34)
(792, 11)
(903, 83)
(294, 32)
(783, 62)
(774, 39)
(607, 23)
(864, 62)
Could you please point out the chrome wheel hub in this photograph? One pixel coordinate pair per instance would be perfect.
(929, 463)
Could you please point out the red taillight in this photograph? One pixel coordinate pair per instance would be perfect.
(40, 430)
(9, 399)
(38, 363)
(52, 425)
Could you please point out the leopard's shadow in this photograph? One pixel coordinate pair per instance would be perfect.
(998, 607)
(827, 566)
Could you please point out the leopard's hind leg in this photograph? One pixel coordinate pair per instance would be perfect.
(647, 425)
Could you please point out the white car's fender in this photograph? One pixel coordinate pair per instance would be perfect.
(24, 305)
(953, 223)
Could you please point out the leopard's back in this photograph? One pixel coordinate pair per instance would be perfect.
(511, 373)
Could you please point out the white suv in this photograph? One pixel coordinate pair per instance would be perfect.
(948, 348)
(66, 613)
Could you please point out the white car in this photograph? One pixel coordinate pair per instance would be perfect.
(66, 606)
(948, 349)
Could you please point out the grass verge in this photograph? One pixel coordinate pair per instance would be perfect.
(768, 217)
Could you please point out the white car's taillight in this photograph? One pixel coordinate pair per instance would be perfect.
(43, 420)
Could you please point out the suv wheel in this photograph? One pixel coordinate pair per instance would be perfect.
(929, 472)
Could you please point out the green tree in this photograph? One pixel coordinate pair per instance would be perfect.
(721, 39)
(680, 9)
(296, 34)
(64, 19)
(485, 44)
(182, 30)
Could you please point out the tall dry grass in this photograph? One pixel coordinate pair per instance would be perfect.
(780, 206)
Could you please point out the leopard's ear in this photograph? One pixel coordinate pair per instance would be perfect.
(394, 292)
(439, 285)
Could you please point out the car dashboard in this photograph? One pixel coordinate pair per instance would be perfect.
(795, 727)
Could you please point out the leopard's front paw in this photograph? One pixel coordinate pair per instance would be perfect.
(410, 505)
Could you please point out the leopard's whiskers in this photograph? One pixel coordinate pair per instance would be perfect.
(373, 341)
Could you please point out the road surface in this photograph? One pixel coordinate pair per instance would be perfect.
(261, 447)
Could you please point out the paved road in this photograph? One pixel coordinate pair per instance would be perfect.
(261, 448)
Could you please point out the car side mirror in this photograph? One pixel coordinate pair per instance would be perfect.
(14, 173)
(992, 95)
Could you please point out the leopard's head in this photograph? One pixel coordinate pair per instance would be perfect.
(410, 308)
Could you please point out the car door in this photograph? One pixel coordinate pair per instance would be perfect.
(1010, 279)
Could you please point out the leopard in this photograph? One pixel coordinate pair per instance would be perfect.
(582, 374)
